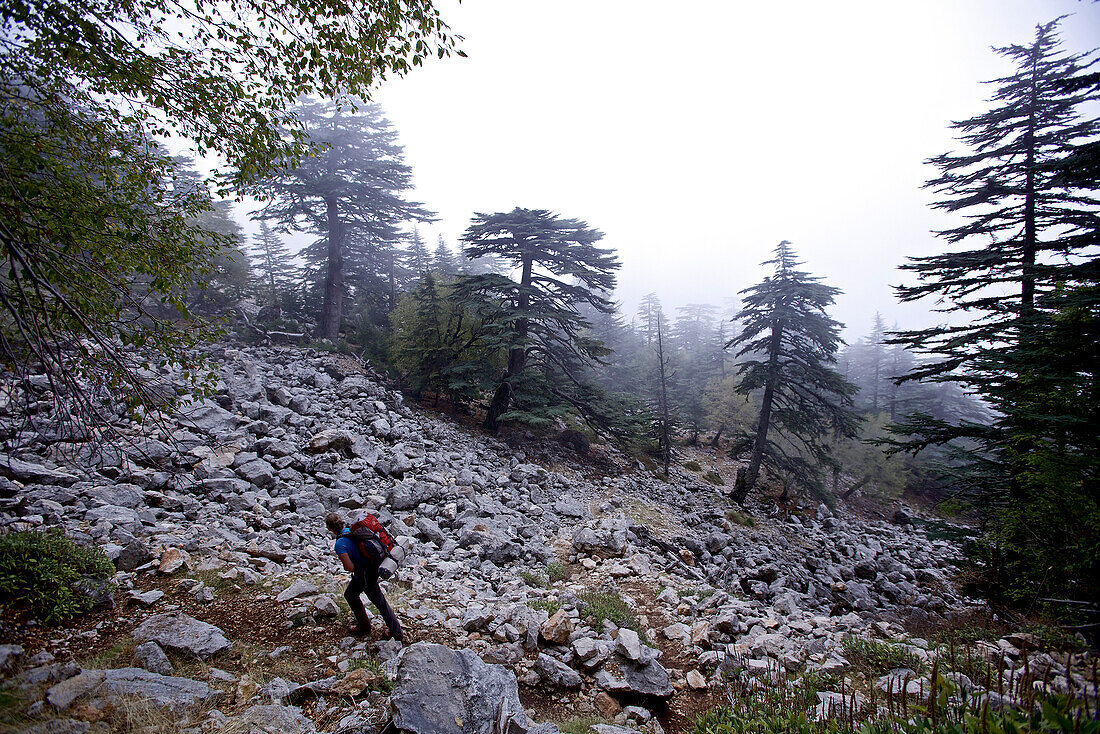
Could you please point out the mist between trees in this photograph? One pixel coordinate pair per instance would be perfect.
(120, 258)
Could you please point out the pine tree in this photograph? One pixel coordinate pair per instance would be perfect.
(351, 194)
(273, 264)
(1027, 242)
(560, 267)
(419, 262)
(791, 344)
(700, 352)
(444, 263)
(664, 420)
(649, 312)
(867, 367)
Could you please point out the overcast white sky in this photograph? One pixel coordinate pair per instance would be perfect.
(697, 136)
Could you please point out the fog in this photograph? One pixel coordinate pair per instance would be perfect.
(698, 140)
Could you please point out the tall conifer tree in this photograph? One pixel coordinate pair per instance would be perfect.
(560, 267)
(791, 344)
(1027, 240)
(352, 194)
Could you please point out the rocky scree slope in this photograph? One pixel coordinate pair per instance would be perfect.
(226, 499)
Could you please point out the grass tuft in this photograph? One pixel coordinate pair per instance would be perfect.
(555, 572)
(603, 605)
(878, 657)
(537, 580)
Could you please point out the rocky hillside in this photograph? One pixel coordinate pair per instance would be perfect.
(540, 585)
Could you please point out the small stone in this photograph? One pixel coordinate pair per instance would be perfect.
(558, 628)
(172, 560)
(151, 657)
(147, 597)
(608, 707)
(696, 680)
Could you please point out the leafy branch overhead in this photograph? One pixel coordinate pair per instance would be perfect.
(102, 234)
(223, 74)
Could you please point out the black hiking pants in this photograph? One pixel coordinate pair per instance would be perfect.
(366, 579)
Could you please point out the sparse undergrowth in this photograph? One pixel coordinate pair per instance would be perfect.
(550, 606)
(384, 685)
(877, 657)
(555, 571)
(775, 703)
(608, 605)
(42, 570)
(740, 518)
(578, 725)
(537, 580)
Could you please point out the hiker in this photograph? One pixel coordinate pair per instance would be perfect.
(364, 577)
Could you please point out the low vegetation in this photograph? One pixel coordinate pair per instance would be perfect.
(877, 657)
(538, 580)
(773, 702)
(555, 571)
(550, 606)
(42, 572)
(608, 605)
(740, 518)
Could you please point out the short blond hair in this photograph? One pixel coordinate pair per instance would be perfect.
(334, 522)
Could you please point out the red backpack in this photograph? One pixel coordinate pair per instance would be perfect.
(369, 529)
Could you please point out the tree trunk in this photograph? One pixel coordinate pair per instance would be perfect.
(747, 480)
(717, 435)
(517, 355)
(666, 437)
(332, 310)
(1020, 441)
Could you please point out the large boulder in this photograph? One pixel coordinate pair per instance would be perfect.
(556, 673)
(26, 471)
(160, 690)
(443, 691)
(638, 681)
(207, 417)
(181, 633)
(606, 536)
(133, 555)
(331, 439)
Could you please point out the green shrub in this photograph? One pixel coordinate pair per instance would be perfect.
(740, 518)
(550, 606)
(535, 579)
(578, 725)
(692, 465)
(608, 605)
(878, 657)
(1050, 636)
(555, 571)
(39, 570)
(713, 477)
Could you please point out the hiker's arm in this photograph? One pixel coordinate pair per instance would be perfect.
(346, 560)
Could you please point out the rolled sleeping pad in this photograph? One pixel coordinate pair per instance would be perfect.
(394, 559)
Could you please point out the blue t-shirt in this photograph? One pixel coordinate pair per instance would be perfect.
(344, 544)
